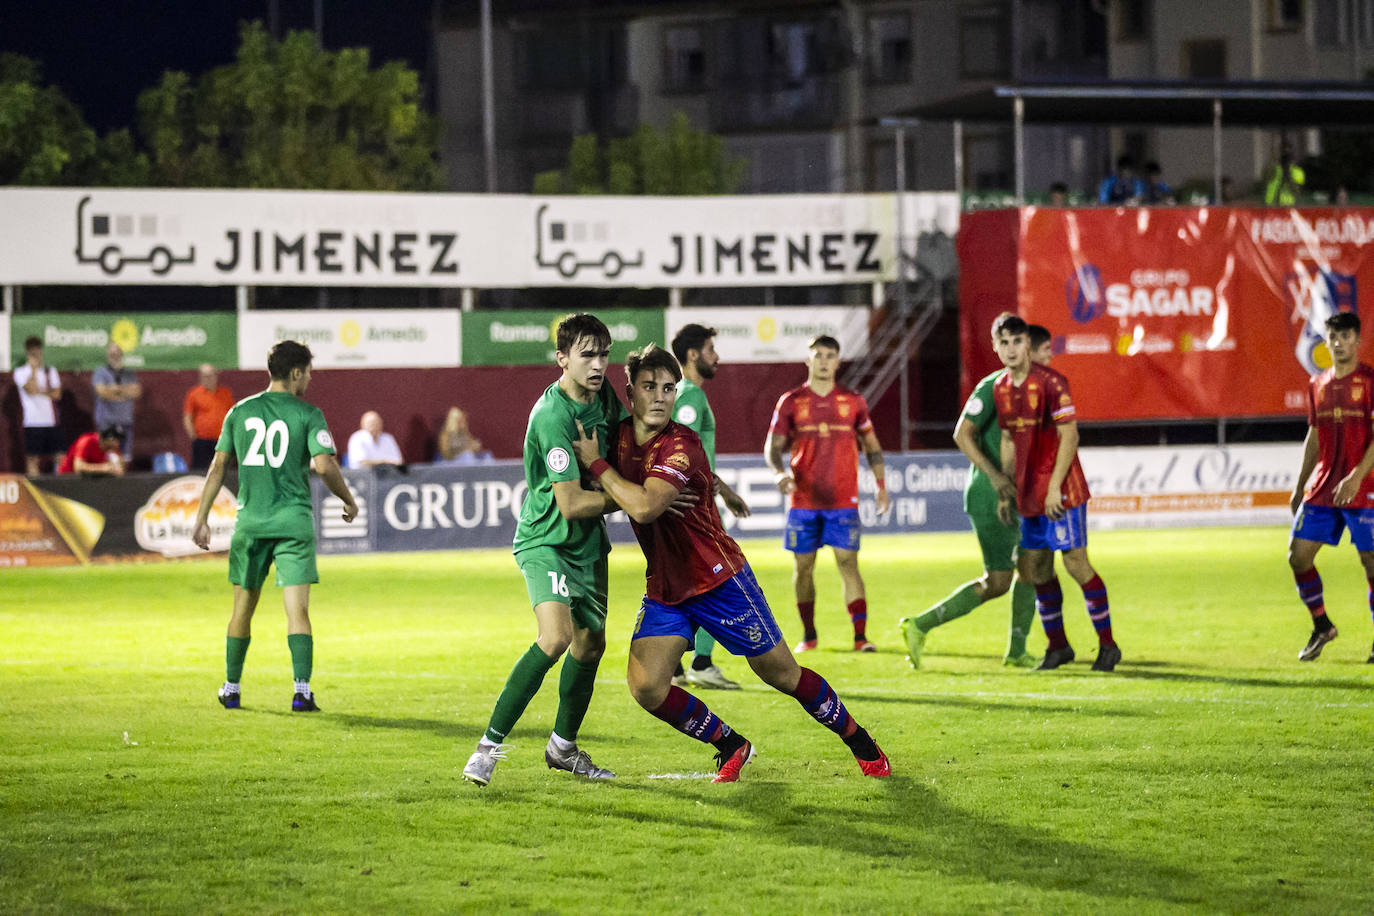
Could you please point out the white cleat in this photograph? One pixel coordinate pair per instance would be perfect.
(575, 761)
(710, 677)
(483, 762)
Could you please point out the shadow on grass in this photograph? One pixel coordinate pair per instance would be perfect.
(1070, 705)
(910, 824)
(441, 727)
(1131, 671)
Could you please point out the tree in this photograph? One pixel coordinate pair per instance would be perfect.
(44, 140)
(287, 114)
(678, 161)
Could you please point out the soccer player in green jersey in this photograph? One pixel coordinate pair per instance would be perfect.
(561, 547)
(276, 438)
(695, 349)
(980, 439)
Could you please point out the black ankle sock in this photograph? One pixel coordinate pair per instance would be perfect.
(1322, 624)
(701, 662)
(863, 745)
(677, 672)
(729, 743)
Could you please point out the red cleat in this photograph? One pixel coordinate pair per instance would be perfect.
(729, 769)
(878, 769)
(806, 645)
(863, 645)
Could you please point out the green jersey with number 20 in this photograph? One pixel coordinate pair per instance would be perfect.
(549, 458)
(273, 436)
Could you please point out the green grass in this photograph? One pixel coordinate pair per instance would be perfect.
(1211, 773)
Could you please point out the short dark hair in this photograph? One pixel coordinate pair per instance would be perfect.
(1125, 161)
(113, 432)
(33, 341)
(1039, 335)
(651, 357)
(1344, 321)
(824, 340)
(574, 327)
(1009, 323)
(691, 337)
(288, 355)
(1059, 188)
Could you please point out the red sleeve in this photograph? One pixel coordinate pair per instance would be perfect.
(781, 424)
(862, 421)
(91, 452)
(1058, 400)
(676, 460)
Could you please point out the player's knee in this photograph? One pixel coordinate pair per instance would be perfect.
(996, 583)
(648, 694)
(554, 644)
(1301, 561)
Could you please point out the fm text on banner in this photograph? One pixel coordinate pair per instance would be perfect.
(1191, 312)
(76, 341)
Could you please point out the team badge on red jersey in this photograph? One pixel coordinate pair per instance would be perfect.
(679, 460)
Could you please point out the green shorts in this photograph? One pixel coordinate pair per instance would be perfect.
(249, 558)
(997, 540)
(549, 576)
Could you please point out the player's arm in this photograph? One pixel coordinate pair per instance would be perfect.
(1309, 462)
(327, 466)
(575, 502)
(1006, 503)
(966, 439)
(1063, 460)
(772, 453)
(644, 503)
(733, 501)
(873, 451)
(214, 479)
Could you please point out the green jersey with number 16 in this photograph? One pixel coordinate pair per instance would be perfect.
(549, 459)
(273, 435)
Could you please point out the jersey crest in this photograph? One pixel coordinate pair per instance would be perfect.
(557, 459)
(803, 410)
(679, 460)
(844, 409)
(686, 414)
(324, 439)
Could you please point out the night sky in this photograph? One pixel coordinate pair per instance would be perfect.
(102, 53)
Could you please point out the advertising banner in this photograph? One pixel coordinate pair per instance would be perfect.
(378, 338)
(526, 337)
(76, 341)
(776, 335)
(1192, 312)
(297, 238)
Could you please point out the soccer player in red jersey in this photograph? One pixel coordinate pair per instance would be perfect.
(1334, 489)
(697, 576)
(1040, 442)
(825, 424)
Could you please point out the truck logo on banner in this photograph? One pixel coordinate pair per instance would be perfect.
(1314, 297)
(569, 246)
(112, 240)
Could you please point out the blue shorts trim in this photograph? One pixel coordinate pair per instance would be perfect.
(1040, 532)
(1324, 525)
(808, 530)
(735, 612)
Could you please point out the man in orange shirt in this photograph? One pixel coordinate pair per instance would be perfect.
(203, 415)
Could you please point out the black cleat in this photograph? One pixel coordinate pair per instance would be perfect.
(1370, 660)
(302, 702)
(1315, 645)
(229, 700)
(1055, 657)
(1107, 657)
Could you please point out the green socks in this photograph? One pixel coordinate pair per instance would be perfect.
(523, 683)
(302, 646)
(705, 643)
(1022, 615)
(235, 651)
(962, 601)
(575, 687)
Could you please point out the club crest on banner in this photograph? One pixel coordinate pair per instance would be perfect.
(1314, 296)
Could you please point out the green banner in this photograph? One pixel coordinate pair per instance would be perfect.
(76, 341)
(526, 337)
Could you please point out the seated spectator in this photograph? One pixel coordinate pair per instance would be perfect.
(370, 447)
(1058, 196)
(96, 454)
(457, 444)
(1157, 190)
(203, 413)
(1121, 187)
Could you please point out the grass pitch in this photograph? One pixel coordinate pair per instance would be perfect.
(1211, 773)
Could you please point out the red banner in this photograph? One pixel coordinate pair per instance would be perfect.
(1188, 312)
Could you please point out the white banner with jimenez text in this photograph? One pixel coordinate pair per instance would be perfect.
(374, 339)
(98, 236)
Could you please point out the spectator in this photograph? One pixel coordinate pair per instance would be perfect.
(39, 390)
(1122, 186)
(116, 389)
(457, 444)
(1286, 181)
(1058, 196)
(203, 416)
(369, 446)
(1157, 190)
(1341, 198)
(96, 454)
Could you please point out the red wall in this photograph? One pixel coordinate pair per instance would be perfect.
(413, 403)
(987, 246)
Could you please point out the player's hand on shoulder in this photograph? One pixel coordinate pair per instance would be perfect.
(587, 447)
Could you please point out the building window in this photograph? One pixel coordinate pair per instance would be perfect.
(1287, 15)
(1335, 21)
(889, 48)
(1133, 20)
(1204, 59)
(684, 53)
(983, 44)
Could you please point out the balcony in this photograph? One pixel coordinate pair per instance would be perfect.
(807, 103)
